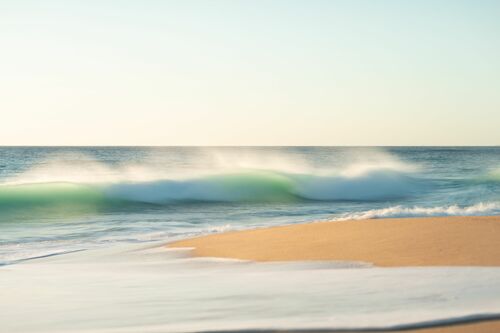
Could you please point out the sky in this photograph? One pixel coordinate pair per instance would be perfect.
(255, 72)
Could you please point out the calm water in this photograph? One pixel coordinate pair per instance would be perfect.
(56, 200)
(128, 289)
(80, 229)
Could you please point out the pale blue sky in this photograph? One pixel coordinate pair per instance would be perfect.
(256, 72)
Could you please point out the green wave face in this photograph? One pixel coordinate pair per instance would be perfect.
(252, 186)
(43, 194)
(238, 187)
(37, 202)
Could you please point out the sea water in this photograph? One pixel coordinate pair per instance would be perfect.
(79, 229)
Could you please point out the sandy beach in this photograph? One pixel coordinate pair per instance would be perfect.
(436, 241)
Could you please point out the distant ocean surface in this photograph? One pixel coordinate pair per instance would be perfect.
(81, 229)
(56, 200)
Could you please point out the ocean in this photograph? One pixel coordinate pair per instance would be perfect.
(80, 229)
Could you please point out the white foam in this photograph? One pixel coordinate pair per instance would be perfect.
(482, 208)
(134, 290)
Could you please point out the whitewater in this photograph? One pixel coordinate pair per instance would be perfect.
(80, 229)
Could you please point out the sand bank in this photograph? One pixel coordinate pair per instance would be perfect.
(436, 241)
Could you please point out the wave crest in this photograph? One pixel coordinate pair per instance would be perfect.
(250, 186)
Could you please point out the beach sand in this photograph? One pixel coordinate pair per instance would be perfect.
(434, 241)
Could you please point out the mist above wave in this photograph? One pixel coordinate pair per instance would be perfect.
(84, 169)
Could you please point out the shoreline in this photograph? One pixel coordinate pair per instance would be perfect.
(398, 242)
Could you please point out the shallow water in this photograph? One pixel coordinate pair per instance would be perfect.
(136, 289)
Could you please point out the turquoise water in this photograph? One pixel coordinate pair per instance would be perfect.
(80, 230)
(56, 200)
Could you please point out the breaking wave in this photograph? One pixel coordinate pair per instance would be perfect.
(249, 186)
